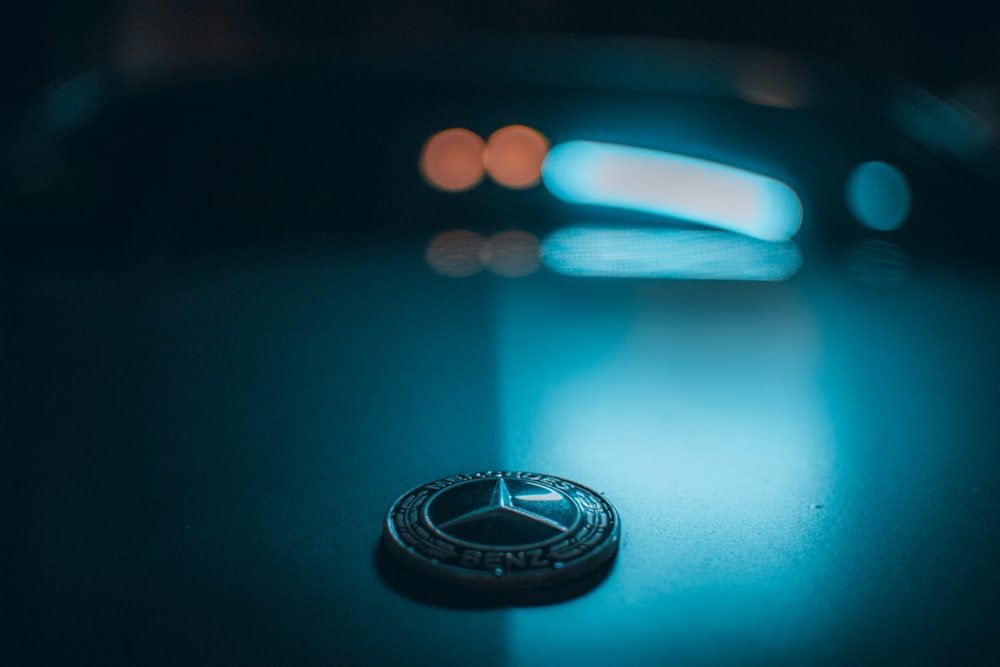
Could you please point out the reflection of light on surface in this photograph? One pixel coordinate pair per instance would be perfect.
(703, 421)
(514, 156)
(511, 254)
(452, 160)
(587, 172)
(878, 263)
(774, 81)
(668, 253)
(461, 253)
(878, 195)
(946, 126)
(456, 254)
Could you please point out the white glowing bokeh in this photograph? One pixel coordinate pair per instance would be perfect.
(678, 186)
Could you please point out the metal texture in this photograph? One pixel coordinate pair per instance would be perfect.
(502, 529)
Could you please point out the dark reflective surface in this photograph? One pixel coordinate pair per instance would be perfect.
(224, 355)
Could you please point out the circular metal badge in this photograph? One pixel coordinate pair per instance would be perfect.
(502, 529)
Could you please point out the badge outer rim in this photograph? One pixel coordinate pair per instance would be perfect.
(511, 579)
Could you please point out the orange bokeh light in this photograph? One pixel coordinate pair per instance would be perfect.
(456, 254)
(514, 156)
(452, 160)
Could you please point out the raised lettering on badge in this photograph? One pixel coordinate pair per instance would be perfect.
(502, 529)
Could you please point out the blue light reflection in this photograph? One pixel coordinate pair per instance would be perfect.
(878, 195)
(667, 184)
(703, 421)
(668, 253)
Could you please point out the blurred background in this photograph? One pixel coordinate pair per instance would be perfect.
(265, 266)
(937, 47)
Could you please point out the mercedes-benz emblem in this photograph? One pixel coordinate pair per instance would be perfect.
(502, 529)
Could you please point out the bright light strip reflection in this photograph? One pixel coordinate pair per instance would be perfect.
(588, 172)
(668, 253)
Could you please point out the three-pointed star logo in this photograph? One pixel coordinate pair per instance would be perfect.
(502, 503)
